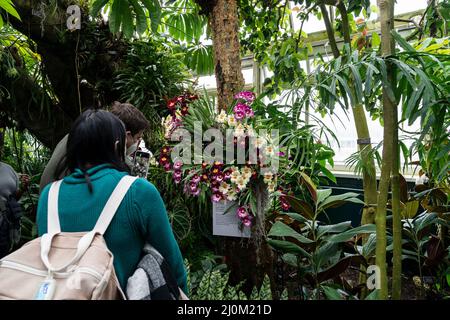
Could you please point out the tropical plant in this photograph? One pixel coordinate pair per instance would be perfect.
(212, 283)
(8, 7)
(151, 74)
(129, 16)
(27, 156)
(317, 250)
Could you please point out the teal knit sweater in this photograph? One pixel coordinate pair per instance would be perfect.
(141, 218)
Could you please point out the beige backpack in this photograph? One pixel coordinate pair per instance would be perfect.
(65, 266)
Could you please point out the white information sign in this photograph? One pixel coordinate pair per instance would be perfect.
(228, 224)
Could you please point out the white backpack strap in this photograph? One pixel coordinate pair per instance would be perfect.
(53, 225)
(102, 224)
(113, 204)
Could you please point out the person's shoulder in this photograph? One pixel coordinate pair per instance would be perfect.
(144, 185)
(6, 168)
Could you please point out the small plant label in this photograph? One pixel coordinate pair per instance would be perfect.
(226, 222)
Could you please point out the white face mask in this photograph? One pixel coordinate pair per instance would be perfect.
(132, 149)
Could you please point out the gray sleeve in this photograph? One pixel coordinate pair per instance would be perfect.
(50, 169)
(9, 181)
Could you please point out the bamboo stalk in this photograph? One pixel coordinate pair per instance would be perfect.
(386, 8)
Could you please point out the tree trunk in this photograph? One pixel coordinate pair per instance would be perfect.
(369, 179)
(359, 116)
(364, 143)
(397, 220)
(247, 259)
(224, 22)
(369, 173)
(386, 8)
(362, 130)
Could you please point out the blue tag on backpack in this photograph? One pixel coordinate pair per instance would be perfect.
(46, 290)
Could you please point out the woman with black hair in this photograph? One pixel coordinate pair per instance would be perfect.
(95, 157)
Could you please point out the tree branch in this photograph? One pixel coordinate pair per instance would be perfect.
(345, 22)
(35, 110)
(330, 31)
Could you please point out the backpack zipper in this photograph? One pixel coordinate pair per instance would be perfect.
(42, 273)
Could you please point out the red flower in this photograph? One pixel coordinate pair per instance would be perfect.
(171, 104)
(285, 206)
(184, 110)
(163, 160)
(165, 150)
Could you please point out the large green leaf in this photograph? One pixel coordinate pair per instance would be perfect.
(369, 247)
(127, 20)
(339, 200)
(331, 293)
(305, 179)
(376, 40)
(279, 229)
(115, 16)
(297, 217)
(333, 228)
(410, 209)
(339, 267)
(302, 207)
(327, 173)
(348, 91)
(141, 18)
(322, 194)
(8, 6)
(347, 235)
(402, 41)
(384, 76)
(97, 6)
(424, 220)
(373, 295)
(327, 253)
(288, 247)
(200, 59)
(358, 83)
(155, 13)
(413, 104)
(407, 71)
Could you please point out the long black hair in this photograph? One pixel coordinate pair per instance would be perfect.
(97, 137)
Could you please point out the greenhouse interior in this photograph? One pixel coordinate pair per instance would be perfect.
(224, 150)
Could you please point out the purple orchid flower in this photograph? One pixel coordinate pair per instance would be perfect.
(216, 197)
(249, 112)
(177, 165)
(247, 221)
(196, 179)
(240, 107)
(239, 115)
(242, 212)
(245, 95)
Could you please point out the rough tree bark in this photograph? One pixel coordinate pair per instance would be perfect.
(224, 23)
(247, 260)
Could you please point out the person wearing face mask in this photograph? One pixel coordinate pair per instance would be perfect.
(95, 160)
(135, 125)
